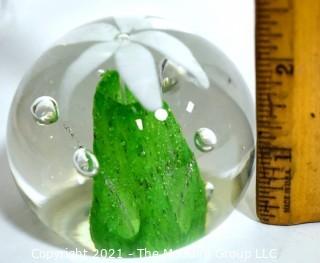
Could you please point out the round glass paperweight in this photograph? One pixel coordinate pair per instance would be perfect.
(129, 133)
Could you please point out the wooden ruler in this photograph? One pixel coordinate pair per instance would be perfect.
(288, 111)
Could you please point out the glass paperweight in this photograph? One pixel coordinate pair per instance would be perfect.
(130, 133)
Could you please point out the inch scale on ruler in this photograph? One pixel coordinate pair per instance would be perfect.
(287, 166)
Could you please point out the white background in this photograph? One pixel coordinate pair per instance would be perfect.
(28, 27)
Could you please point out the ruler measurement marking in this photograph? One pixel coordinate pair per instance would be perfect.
(273, 162)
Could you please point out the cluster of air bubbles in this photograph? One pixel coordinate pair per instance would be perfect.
(45, 111)
(205, 139)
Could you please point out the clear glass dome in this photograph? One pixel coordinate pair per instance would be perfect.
(51, 126)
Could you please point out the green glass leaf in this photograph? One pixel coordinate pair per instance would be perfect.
(148, 192)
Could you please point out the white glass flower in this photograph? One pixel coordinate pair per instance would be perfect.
(129, 41)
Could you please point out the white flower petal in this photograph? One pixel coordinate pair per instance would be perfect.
(96, 32)
(128, 24)
(84, 65)
(174, 50)
(137, 68)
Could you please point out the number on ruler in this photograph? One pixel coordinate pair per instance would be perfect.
(284, 69)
